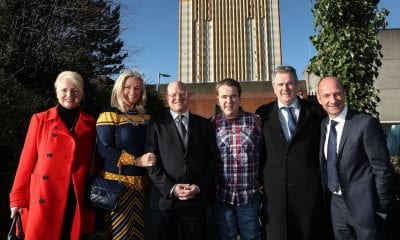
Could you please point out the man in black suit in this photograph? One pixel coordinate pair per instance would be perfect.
(291, 168)
(183, 144)
(355, 166)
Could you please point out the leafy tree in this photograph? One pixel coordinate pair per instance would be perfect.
(41, 38)
(155, 104)
(348, 47)
(38, 40)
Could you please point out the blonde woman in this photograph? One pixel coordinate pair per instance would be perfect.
(121, 131)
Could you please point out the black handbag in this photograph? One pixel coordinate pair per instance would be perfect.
(104, 193)
(100, 192)
(16, 224)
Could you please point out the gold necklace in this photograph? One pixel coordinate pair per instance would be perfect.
(134, 123)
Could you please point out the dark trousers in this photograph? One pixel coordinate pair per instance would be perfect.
(346, 228)
(185, 224)
(69, 213)
(293, 226)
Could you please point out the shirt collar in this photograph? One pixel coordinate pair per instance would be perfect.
(341, 118)
(241, 112)
(175, 114)
(295, 104)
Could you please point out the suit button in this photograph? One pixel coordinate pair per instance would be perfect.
(55, 127)
(54, 134)
(49, 155)
(287, 184)
(41, 200)
(45, 177)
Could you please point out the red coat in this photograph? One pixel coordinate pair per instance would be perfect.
(50, 158)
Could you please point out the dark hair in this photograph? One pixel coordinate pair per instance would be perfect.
(231, 83)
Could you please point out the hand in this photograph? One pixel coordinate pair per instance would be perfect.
(186, 191)
(146, 160)
(14, 211)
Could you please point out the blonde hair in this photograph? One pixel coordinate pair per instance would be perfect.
(74, 77)
(117, 92)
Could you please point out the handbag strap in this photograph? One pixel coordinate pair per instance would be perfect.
(16, 224)
(92, 167)
(20, 234)
(116, 143)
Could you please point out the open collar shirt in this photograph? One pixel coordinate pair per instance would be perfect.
(238, 159)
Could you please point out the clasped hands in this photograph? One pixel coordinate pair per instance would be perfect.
(184, 191)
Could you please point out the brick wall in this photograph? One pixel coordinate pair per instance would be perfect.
(203, 98)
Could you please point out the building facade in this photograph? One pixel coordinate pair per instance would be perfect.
(239, 39)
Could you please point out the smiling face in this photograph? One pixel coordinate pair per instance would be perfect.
(331, 96)
(177, 97)
(131, 92)
(68, 94)
(229, 101)
(285, 88)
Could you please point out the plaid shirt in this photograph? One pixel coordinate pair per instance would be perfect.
(238, 157)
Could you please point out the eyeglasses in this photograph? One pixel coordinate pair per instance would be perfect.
(178, 94)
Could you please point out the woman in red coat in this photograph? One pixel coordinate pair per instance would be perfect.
(48, 187)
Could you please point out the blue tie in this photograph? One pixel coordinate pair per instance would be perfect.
(331, 159)
(291, 123)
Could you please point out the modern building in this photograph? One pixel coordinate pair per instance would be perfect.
(239, 39)
(388, 83)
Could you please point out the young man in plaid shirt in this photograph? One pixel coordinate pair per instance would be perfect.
(238, 137)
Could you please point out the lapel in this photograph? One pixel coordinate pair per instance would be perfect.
(324, 125)
(83, 124)
(57, 124)
(276, 124)
(173, 131)
(346, 130)
(303, 115)
(192, 131)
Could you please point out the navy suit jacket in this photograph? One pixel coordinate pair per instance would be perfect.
(175, 164)
(365, 173)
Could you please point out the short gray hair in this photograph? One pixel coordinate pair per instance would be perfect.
(285, 69)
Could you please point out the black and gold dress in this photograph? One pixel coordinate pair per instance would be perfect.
(121, 138)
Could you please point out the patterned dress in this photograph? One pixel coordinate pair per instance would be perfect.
(121, 138)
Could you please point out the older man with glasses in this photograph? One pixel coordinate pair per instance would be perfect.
(184, 147)
(291, 177)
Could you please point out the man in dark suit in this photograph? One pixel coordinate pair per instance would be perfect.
(356, 171)
(291, 168)
(183, 144)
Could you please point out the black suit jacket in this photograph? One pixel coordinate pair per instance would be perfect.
(177, 165)
(291, 171)
(365, 173)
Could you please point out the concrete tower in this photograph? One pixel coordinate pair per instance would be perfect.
(228, 38)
